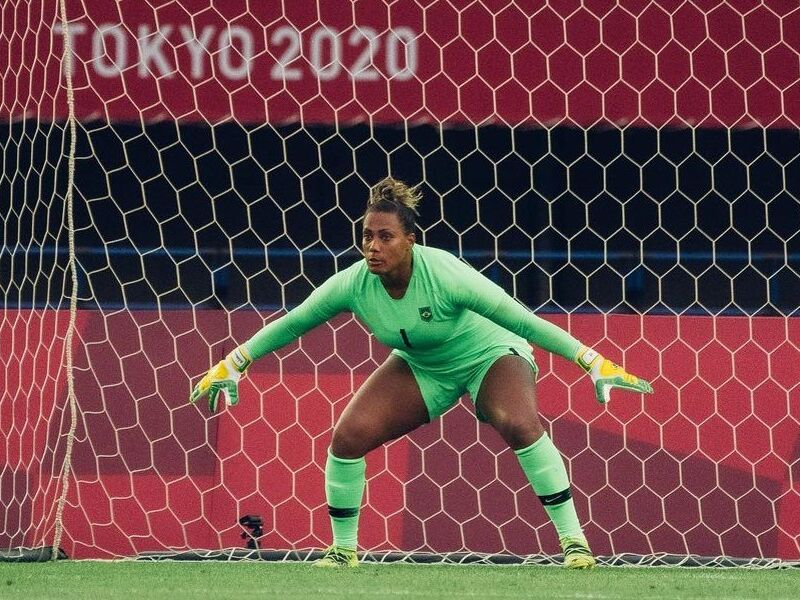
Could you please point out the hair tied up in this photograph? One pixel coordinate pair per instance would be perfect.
(390, 195)
(393, 191)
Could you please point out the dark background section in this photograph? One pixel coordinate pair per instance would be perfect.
(626, 220)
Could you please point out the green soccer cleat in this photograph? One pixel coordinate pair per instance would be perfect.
(577, 554)
(335, 558)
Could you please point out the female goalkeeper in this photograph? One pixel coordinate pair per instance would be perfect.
(452, 331)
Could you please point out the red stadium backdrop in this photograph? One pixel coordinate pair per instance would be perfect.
(474, 63)
(718, 441)
(710, 440)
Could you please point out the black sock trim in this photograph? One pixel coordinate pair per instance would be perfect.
(342, 513)
(557, 498)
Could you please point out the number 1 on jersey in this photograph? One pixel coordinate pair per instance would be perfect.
(405, 338)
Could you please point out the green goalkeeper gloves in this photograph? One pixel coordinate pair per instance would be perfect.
(606, 375)
(223, 377)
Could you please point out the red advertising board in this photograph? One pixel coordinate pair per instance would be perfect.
(702, 466)
(701, 63)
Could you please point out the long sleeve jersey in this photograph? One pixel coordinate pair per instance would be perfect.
(450, 312)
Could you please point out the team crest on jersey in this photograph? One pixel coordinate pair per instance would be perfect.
(425, 313)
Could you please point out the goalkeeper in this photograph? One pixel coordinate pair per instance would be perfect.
(452, 331)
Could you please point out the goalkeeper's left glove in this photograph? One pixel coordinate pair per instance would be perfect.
(607, 375)
(223, 377)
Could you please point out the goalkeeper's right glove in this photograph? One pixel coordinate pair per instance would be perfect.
(223, 378)
(607, 375)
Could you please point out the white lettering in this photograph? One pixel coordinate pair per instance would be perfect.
(198, 48)
(330, 69)
(74, 30)
(230, 52)
(150, 51)
(405, 39)
(281, 70)
(101, 50)
(226, 44)
(364, 67)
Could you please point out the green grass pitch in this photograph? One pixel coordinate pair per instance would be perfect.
(130, 580)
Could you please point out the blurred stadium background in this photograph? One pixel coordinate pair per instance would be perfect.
(629, 170)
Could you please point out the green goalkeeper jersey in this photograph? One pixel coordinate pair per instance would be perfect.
(449, 314)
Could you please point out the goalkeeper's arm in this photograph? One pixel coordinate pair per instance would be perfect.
(225, 375)
(481, 295)
(323, 303)
(605, 374)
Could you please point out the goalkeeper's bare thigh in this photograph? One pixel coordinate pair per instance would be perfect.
(387, 406)
(507, 400)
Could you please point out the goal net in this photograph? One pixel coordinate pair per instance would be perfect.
(628, 170)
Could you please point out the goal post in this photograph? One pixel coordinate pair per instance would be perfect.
(627, 170)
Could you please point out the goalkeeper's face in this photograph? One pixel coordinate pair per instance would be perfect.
(386, 246)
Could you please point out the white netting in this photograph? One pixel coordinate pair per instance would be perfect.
(628, 170)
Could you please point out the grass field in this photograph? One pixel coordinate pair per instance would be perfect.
(241, 580)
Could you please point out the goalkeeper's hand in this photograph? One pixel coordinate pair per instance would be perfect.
(223, 378)
(606, 375)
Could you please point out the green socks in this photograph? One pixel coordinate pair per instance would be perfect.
(545, 471)
(344, 487)
(345, 479)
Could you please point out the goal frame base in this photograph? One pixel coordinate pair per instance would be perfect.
(473, 558)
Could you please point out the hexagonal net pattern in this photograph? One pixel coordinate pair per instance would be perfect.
(629, 171)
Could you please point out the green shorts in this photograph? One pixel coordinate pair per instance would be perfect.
(441, 392)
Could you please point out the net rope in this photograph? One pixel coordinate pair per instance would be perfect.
(73, 297)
